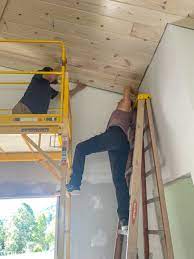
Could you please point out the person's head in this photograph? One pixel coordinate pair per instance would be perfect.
(52, 78)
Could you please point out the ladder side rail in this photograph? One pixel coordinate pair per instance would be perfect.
(56, 229)
(145, 209)
(167, 235)
(61, 217)
(67, 140)
(68, 208)
(63, 235)
(118, 245)
(152, 173)
(132, 252)
(64, 219)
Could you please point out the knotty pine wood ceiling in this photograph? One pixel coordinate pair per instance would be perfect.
(109, 42)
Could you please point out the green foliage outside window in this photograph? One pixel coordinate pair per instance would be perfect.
(24, 232)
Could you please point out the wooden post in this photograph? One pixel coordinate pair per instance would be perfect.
(56, 229)
(68, 206)
(44, 154)
(132, 252)
(43, 162)
(39, 139)
(61, 228)
(61, 218)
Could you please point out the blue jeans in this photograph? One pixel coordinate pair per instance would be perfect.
(115, 142)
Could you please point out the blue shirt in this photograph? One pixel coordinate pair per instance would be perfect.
(38, 95)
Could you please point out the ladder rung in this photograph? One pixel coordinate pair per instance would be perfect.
(156, 232)
(150, 172)
(148, 147)
(146, 128)
(152, 200)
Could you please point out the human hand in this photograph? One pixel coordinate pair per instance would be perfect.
(130, 93)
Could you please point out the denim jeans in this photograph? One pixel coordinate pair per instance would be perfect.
(115, 142)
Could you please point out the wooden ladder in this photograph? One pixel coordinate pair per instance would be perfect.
(145, 126)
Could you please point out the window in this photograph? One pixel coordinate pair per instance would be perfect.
(27, 228)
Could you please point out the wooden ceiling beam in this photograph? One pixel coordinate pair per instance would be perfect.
(155, 12)
(125, 67)
(110, 75)
(118, 45)
(17, 61)
(129, 69)
(47, 13)
(79, 47)
(177, 7)
(100, 80)
(106, 73)
(88, 76)
(30, 51)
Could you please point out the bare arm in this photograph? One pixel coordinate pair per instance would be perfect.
(125, 103)
(126, 93)
(77, 89)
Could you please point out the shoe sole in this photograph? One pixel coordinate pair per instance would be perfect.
(74, 193)
(123, 231)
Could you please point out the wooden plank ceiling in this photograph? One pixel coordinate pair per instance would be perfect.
(109, 42)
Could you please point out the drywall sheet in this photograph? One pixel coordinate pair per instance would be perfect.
(94, 222)
(181, 213)
(91, 111)
(170, 80)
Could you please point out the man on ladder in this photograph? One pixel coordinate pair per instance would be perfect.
(141, 169)
(115, 141)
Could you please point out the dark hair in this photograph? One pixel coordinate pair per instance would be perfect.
(47, 69)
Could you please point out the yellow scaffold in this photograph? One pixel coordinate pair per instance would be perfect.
(57, 123)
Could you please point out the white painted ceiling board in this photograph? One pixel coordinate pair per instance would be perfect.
(170, 80)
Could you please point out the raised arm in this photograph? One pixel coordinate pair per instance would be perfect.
(126, 93)
(125, 103)
(80, 86)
